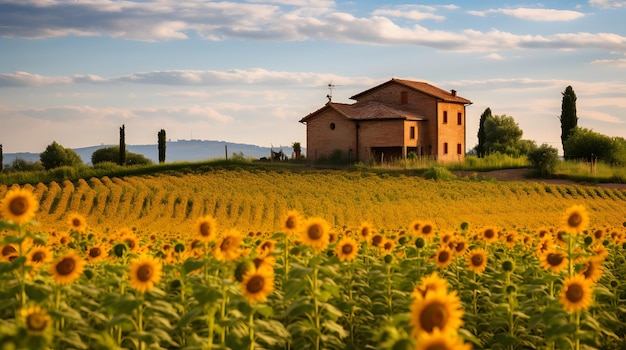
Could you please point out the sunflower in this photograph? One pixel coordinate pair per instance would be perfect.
(592, 269)
(416, 227)
(257, 284)
(427, 230)
(443, 257)
(19, 205)
(315, 234)
(387, 246)
(67, 268)
(576, 293)
(446, 238)
(292, 221)
(96, 253)
(489, 234)
(206, 227)
(130, 239)
(36, 320)
(543, 233)
(437, 340)
(598, 235)
(365, 231)
(376, 240)
(460, 245)
(8, 252)
(544, 245)
(476, 260)
(554, 260)
(265, 248)
(437, 310)
(576, 219)
(347, 249)
(431, 283)
(560, 238)
(510, 239)
(228, 247)
(145, 272)
(266, 262)
(38, 256)
(599, 250)
(76, 222)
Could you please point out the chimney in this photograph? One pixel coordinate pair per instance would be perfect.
(453, 92)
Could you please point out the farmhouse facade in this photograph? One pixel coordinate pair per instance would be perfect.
(389, 121)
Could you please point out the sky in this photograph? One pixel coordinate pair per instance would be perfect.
(75, 71)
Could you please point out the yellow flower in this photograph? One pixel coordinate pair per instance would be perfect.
(460, 245)
(489, 234)
(36, 320)
(206, 227)
(130, 239)
(8, 252)
(554, 260)
(315, 234)
(76, 222)
(347, 249)
(427, 230)
(437, 340)
(376, 240)
(228, 248)
(38, 256)
(576, 293)
(431, 283)
(257, 284)
(19, 205)
(67, 268)
(387, 246)
(292, 221)
(416, 227)
(365, 231)
(443, 257)
(476, 260)
(592, 269)
(437, 310)
(145, 272)
(265, 248)
(576, 219)
(266, 262)
(96, 253)
(510, 239)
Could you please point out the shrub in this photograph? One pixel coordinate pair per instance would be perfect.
(56, 155)
(439, 173)
(544, 158)
(112, 154)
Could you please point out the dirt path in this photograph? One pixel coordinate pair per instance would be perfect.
(519, 175)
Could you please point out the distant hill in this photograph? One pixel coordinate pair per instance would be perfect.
(176, 151)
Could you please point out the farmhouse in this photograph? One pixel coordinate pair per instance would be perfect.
(390, 121)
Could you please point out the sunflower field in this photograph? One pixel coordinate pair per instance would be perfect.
(257, 259)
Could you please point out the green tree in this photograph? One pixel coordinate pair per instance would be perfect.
(568, 118)
(21, 164)
(122, 148)
(162, 145)
(480, 148)
(112, 154)
(56, 155)
(1, 157)
(544, 158)
(502, 135)
(586, 144)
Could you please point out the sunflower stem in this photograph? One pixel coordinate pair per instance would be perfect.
(317, 310)
(211, 324)
(251, 328)
(142, 345)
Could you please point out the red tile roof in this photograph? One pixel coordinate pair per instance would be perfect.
(366, 111)
(420, 86)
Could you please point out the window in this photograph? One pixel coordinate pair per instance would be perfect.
(459, 148)
(412, 132)
(332, 126)
(404, 97)
(459, 118)
(445, 117)
(445, 148)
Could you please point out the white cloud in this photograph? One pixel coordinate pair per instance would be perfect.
(493, 56)
(29, 79)
(608, 3)
(599, 116)
(533, 14)
(412, 12)
(621, 62)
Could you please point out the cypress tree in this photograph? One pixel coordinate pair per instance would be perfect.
(122, 145)
(568, 118)
(161, 138)
(482, 138)
(1, 157)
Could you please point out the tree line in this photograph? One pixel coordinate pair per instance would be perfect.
(501, 134)
(55, 156)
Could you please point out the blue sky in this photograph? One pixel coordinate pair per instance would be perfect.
(74, 71)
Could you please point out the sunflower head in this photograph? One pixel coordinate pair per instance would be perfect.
(19, 205)
(228, 247)
(365, 231)
(291, 222)
(36, 320)
(206, 228)
(145, 272)
(592, 269)
(67, 268)
(490, 234)
(476, 260)
(76, 222)
(38, 256)
(315, 234)
(443, 257)
(431, 283)
(576, 293)
(346, 249)
(440, 310)
(257, 284)
(438, 340)
(554, 260)
(576, 219)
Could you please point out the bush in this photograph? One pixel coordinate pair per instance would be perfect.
(21, 164)
(544, 158)
(112, 154)
(439, 173)
(56, 156)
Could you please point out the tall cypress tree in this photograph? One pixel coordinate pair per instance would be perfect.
(1, 157)
(122, 145)
(568, 118)
(161, 137)
(480, 149)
